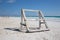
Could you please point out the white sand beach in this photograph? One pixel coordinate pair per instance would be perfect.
(9, 24)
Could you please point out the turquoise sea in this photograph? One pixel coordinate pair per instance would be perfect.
(34, 16)
(48, 18)
(45, 17)
(52, 16)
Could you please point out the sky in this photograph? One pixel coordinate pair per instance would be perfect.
(13, 7)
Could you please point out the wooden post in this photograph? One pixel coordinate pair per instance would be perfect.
(39, 20)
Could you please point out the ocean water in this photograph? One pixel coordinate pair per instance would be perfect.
(54, 18)
(48, 18)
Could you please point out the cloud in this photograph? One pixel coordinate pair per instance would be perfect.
(11, 1)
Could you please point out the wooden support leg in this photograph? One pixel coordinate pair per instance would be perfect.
(46, 25)
(21, 26)
(39, 24)
(27, 29)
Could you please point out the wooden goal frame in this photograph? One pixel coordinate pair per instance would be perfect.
(24, 19)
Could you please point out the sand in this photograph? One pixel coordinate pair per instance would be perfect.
(9, 30)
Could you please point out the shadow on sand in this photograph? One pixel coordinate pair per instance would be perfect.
(15, 29)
